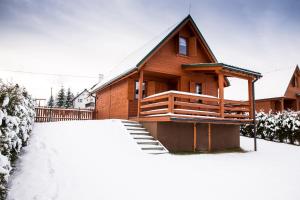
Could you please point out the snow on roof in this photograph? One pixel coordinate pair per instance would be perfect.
(273, 84)
(130, 63)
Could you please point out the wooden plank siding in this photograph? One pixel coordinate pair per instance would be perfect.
(113, 101)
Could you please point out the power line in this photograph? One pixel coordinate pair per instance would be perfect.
(278, 69)
(49, 74)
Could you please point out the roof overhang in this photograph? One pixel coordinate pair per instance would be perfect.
(227, 70)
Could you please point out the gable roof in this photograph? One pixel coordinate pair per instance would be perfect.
(79, 94)
(137, 58)
(274, 84)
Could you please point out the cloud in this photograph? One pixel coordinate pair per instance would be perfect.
(89, 37)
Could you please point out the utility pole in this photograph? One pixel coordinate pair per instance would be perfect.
(51, 106)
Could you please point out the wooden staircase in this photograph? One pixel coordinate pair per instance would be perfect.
(143, 138)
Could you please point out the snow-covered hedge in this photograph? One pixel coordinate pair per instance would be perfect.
(16, 123)
(281, 127)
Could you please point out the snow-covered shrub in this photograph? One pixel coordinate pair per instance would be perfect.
(261, 118)
(16, 122)
(247, 130)
(280, 127)
(290, 125)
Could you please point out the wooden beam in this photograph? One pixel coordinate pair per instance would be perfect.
(141, 80)
(282, 104)
(209, 137)
(236, 74)
(221, 93)
(196, 105)
(171, 103)
(195, 137)
(151, 105)
(196, 68)
(250, 98)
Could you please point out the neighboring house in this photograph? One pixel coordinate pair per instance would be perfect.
(84, 100)
(278, 91)
(181, 102)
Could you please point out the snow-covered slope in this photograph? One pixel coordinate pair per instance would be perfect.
(98, 160)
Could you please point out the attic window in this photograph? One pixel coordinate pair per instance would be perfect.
(183, 46)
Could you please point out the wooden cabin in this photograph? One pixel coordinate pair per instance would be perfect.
(278, 91)
(181, 102)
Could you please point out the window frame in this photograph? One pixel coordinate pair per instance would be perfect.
(136, 89)
(186, 47)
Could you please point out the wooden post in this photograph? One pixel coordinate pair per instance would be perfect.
(195, 137)
(141, 80)
(282, 104)
(79, 114)
(209, 137)
(250, 98)
(253, 114)
(50, 114)
(171, 103)
(221, 93)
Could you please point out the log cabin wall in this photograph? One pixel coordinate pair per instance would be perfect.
(167, 60)
(112, 102)
(265, 106)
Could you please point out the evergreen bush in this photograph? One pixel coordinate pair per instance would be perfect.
(16, 122)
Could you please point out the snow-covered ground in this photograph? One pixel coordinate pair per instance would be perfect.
(90, 160)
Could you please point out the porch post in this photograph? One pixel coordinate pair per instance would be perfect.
(250, 98)
(195, 137)
(282, 104)
(209, 137)
(253, 113)
(221, 93)
(141, 80)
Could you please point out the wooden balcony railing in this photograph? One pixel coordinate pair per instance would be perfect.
(184, 104)
(48, 114)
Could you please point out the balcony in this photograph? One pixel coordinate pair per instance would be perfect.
(176, 105)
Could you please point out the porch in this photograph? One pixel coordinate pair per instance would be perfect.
(186, 105)
(189, 107)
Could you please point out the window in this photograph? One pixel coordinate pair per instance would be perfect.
(198, 89)
(136, 94)
(80, 100)
(183, 46)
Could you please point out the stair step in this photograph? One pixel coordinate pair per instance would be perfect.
(129, 122)
(148, 142)
(139, 133)
(136, 129)
(132, 125)
(157, 152)
(143, 137)
(153, 148)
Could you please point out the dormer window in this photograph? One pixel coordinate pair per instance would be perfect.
(183, 48)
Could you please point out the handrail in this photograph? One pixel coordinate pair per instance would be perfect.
(185, 103)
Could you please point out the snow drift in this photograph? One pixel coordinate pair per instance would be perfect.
(100, 160)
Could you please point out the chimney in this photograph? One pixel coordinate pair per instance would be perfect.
(101, 76)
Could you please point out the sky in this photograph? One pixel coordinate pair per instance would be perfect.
(71, 42)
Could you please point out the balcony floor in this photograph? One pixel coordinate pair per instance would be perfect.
(191, 119)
